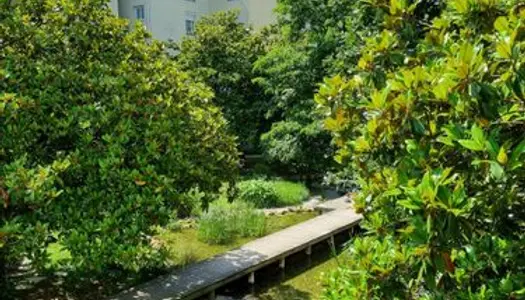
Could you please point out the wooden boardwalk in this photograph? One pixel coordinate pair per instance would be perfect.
(205, 277)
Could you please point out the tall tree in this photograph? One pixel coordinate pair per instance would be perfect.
(221, 53)
(308, 35)
(102, 136)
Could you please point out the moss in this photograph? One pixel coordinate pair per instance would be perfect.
(305, 286)
(276, 223)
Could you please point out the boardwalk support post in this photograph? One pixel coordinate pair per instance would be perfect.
(282, 263)
(251, 278)
(331, 241)
(309, 250)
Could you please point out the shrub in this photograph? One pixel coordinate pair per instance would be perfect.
(226, 221)
(290, 193)
(433, 125)
(191, 203)
(260, 193)
(297, 149)
(101, 136)
(272, 193)
(343, 181)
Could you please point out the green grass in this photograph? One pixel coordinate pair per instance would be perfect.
(272, 193)
(185, 246)
(290, 193)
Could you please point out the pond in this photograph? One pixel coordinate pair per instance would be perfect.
(301, 280)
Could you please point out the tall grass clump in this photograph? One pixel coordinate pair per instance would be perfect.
(273, 193)
(224, 222)
(290, 193)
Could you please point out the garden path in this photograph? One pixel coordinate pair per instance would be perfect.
(314, 203)
(203, 278)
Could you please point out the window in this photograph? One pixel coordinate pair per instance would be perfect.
(139, 12)
(190, 27)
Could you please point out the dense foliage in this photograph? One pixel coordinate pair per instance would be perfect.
(299, 51)
(101, 135)
(302, 150)
(259, 193)
(221, 53)
(432, 120)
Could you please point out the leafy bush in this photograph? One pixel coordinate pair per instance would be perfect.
(101, 134)
(272, 193)
(260, 193)
(342, 181)
(432, 121)
(225, 221)
(297, 149)
(191, 203)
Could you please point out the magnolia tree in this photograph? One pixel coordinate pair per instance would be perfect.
(221, 53)
(434, 126)
(102, 136)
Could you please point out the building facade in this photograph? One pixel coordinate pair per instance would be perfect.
(172, 19)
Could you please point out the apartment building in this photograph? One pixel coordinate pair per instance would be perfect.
(172, 19)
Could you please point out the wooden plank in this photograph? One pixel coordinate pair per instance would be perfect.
(204, 277)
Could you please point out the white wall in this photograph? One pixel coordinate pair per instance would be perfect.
(126, 10)
(169, 17)
(113, 4)
(166, 19)
(241, 5)
(258, 13)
